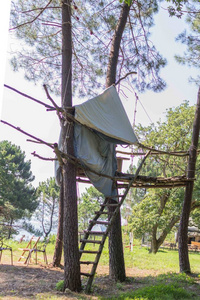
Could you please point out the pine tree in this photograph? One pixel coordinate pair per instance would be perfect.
(17, 195)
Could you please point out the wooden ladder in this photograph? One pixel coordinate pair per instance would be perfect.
(104, 210)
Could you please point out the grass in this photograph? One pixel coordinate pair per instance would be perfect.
(168, 285)
(164, 287)
(157, 292)
(166, 260)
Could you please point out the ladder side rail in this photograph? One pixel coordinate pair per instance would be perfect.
(86, 235)
(94, 267)
(91, 276)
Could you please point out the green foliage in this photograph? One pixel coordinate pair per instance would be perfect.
(17, 195)
(92, 31)
(156, 292)
(168, 286)
(191, 40)
(126, 1)
(180, 278)
(176, 9)
(87, 205)
(158, 210)
(60, 286)
(195, 215)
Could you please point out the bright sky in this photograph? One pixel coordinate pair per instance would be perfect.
(33, 118)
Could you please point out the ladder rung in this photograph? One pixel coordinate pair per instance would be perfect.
(103, 213)
(94, 232)
(87, 262)
(117, 196)
(90, 241)
(86, 274)
(111, 204)
(89, 251)
(100, 222)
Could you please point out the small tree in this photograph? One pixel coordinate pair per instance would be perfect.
(48, 197)
(17, 195)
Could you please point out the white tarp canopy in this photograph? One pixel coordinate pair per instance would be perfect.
(105, 113)
(106, 124)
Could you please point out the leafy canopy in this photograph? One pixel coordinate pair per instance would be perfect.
(191, 40)
(17, 195)
(158, 210)
(93, 26)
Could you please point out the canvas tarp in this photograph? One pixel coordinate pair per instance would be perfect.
(106, 124)
(105, 113)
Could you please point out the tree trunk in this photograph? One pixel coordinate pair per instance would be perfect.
(59, 237)
(156, 243)
(115, 46)
(72, 279)
(184, 263)
(10, 229)
(116, 255)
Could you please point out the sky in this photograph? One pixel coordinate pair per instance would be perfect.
(35, 120)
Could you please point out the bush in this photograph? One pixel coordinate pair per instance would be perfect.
(60, 286)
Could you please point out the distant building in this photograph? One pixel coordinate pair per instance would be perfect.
(193, 234)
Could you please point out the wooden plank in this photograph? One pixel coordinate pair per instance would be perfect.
(87, 262)
(89, 251)
(90, 241)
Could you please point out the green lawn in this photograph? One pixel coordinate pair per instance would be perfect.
(167, 285)
(165, 260)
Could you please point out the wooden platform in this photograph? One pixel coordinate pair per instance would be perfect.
(123, 180)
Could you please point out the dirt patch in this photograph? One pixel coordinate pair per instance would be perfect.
(33, 281)
(38, 282)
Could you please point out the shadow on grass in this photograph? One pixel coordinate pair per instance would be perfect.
(27, 281)
(168, 286)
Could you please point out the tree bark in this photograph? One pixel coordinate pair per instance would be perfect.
(115, 46)
(156, 243)
(116, 255)
(184, 262)
(72, 279)
(59, 237)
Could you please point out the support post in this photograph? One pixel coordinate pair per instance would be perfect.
(184, 263)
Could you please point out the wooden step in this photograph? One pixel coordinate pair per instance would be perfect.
(103, 213)
(100, 222)
(88, 251)
(87, 262)
(86, 274)
(111, 204)
(94, 232)
(90, 241)
(112, 197)
(112, 215)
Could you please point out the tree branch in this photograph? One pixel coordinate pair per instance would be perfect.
(29, 97)
(30, 22)
(122, 78)
(24, 132)
(43, 158)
